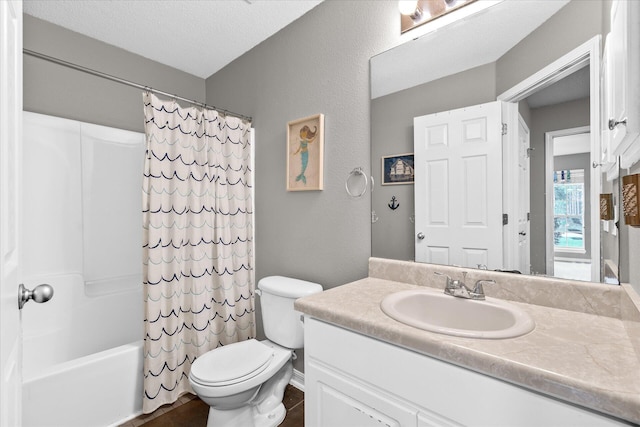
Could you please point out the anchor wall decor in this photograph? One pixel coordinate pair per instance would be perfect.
(394, 203)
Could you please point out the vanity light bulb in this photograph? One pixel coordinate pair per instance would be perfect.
(407, 7)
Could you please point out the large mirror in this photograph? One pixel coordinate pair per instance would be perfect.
(541, 59)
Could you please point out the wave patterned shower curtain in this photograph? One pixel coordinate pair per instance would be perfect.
(197, 246)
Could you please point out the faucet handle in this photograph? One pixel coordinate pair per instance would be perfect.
(478, 289)
(449, 280)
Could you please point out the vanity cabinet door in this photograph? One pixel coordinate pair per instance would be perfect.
(623, 48)
(340, 401)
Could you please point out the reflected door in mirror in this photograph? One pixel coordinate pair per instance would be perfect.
(458, 186)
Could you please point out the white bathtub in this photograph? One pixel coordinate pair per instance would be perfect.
(83, 354)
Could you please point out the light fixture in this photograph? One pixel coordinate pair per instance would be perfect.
(414, 13)
(410, 8)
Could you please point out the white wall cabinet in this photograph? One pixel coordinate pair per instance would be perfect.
(621, 95)
(353, 380)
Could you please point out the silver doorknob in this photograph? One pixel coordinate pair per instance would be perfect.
(420, 235)
(41, 293)
(613, 123)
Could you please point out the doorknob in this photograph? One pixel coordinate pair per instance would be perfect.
(613, 123)
(420, 235)
(41, 293)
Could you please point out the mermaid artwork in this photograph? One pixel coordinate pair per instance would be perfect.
(306, 138)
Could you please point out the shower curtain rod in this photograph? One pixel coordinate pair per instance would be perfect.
(130, 83)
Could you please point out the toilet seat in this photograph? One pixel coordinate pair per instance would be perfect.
(232, 364)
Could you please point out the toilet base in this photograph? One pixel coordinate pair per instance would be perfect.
(265, 410)
(246, 416)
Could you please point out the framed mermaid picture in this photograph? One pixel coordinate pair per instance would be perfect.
(305, 151)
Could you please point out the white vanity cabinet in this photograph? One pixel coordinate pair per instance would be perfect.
(622, 89)
(352, 380)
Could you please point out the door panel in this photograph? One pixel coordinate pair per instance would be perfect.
(10, 158)
(458, 186)
(437, 213)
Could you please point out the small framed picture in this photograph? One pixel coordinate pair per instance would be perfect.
(397, 169)
(305, 150)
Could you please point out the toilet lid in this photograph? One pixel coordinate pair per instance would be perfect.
(232, 363)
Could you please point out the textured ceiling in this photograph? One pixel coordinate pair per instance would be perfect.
(199, 37)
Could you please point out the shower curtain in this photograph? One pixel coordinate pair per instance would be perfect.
(197, 246)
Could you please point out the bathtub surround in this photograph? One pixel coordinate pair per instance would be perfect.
(81, 234)
(197, 241)
(584, 353)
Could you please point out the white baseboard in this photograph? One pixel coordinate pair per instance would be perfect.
(297, 380)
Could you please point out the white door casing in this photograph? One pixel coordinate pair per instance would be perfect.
(586, 54)
(524, 246)
(10, 161)
(512, 190)
(515, 197)
(458, 186)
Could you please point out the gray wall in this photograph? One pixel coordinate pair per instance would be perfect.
(59, 91)
(318, 64)
(392, 133)
(573, 25)
(546, 119)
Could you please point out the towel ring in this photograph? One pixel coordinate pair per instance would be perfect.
(354, 172)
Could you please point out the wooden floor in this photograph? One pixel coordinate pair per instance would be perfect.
(194, 413)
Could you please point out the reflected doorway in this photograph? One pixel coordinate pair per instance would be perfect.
(568, 230)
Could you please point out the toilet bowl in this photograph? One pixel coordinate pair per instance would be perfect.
(240, 396)
(243, 383)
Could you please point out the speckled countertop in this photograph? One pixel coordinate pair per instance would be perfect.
(583, 358)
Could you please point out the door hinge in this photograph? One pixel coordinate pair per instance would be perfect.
(528, 216)
(505, 219)
(529, 151)
(504, 128)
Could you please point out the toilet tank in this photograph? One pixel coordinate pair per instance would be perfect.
(282, 324)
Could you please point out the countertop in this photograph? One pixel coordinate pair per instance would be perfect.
(582, 358)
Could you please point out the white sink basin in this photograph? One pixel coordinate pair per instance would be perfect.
(434, 311)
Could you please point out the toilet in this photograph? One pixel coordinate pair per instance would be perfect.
(243, 383)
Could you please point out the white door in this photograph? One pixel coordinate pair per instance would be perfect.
(524, 248)
(458, 186)
(10, 158)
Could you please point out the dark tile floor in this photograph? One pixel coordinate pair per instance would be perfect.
(192, 412)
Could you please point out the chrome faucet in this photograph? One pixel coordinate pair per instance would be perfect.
(458, 288)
